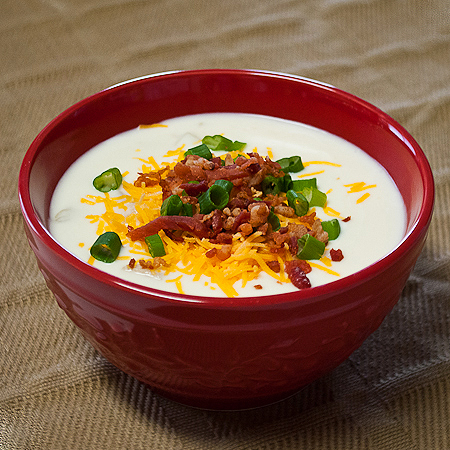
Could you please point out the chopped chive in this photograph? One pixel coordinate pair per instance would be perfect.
(292, 164)
(272, 185)
(109, 180)
(216, 197)
(273, 221)
(201, 150)
(226, 184)
(298, 185)
(171, 206)
(107, 247)
(218, 142)
(314, 196)
(310, 248)
(155, 245)
(298, 202)
(332, 227)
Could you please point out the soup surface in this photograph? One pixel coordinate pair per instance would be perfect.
(360, 194)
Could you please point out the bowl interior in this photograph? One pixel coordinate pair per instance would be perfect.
(156, 98)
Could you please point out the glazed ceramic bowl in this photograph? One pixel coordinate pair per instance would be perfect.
(223, 353)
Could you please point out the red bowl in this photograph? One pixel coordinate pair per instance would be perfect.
(223, 353)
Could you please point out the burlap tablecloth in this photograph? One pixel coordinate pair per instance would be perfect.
(56, 392)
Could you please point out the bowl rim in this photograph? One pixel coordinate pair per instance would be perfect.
(415, 234)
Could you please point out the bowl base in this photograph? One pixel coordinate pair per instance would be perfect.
(225, 404)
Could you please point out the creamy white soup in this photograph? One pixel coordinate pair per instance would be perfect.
(360, 195)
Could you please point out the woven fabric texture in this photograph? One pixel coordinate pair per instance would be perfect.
(56, 392)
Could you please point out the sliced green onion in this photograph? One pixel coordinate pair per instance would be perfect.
(109, 180)
(314, 196)
(292, 164)
(310, 248)
(298, 185)
(273, 221)
(298, 202)
(201, 150)
(107, 247)
(155, 245)
(332, 227)
(272, 185)
(171, 206)
(187, 210)
(226, 184)
(218, 142)
(287, 181)
(216, 197)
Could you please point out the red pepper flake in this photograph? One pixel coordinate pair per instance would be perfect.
(336, 255)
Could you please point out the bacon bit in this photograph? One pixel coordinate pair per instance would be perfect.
(222, 238)
(293, 245)
(264, 228)
(283, 230)
(298, 263)
(217, 222)
(284, 210)
(160, 262)
(309, 218)
(346, 219)
(148, 179)
(242, 217)
(146, 264)
(336, 255)
(194, 189)
(173, 236)
(211, 253)
(224, 252)
(258, 286)
(245, 229)
(274, 265)
(132, 263)
(259, 212)
(296, 274)
(183, 223)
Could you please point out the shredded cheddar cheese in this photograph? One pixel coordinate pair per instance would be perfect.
(139, 205)
(358, 187)
(311, 174)
(363, 197)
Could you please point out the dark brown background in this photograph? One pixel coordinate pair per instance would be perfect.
(56, 392)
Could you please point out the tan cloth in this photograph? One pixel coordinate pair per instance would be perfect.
(56, 392)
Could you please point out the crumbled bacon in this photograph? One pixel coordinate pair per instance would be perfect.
(190, 224)
(336, 255)
(194, 189)
(224, 252)
(274, 265)
(295, 270)
(211, 253)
